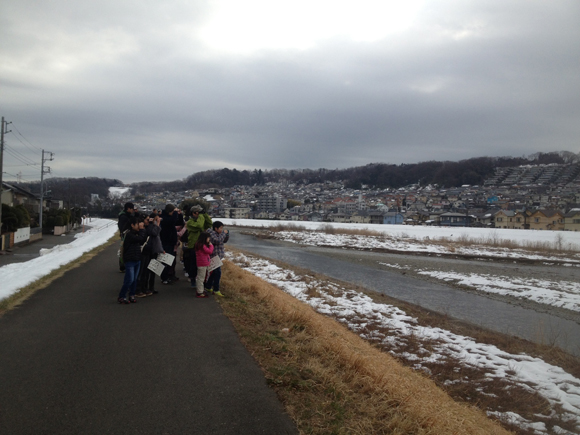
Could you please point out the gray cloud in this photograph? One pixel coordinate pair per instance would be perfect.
(131, 91)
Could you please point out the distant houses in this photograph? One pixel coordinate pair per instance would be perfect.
(546, 220)
(530, 197)
(572, 220)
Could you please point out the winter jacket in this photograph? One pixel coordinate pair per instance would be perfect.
(153, 245)
(218, 240)
(202, 255)
(196, 226)
(132, 245)
(168, 232)
(123, 223)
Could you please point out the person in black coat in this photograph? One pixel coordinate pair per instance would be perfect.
(153, 247)
(132, 243)
(123, 225)
(171, 217)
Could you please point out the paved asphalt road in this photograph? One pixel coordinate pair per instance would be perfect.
(73, 361)
(28, 251)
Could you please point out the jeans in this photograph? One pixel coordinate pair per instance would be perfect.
(130, 282)
(214, 279)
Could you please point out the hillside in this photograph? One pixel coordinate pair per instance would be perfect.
(475, 171)
(76, 191)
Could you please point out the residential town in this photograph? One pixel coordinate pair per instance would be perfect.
(542, 197)
(536, 197)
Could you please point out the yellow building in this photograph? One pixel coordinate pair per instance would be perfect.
(572, 220)
(504, 219)
(521, 220)
(546, 220)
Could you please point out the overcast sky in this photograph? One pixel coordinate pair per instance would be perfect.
(157, 90)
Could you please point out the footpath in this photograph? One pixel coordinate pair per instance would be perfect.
(74, 361)
(28, 251)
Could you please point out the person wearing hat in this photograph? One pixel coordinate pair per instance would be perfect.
(198, 223)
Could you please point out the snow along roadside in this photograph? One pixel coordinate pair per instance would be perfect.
(18, 275)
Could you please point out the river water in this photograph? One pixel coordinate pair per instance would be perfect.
(488, 313)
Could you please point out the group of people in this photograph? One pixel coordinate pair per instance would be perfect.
(199, 240)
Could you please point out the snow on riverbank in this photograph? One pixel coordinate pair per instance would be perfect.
(18, 275)
(369, 319)
(561, 294)
(426, 246)
(568, 238)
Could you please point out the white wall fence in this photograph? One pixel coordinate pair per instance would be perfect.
(22, 235)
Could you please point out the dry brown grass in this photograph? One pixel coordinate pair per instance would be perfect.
(493, 240)
(548, 352)
(332, 381)
(329, 229)
(287, 227)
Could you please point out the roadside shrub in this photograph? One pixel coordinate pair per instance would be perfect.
(14, 217)
(9, 218)
(23, 216)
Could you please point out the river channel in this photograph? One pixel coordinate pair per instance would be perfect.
(364, 269)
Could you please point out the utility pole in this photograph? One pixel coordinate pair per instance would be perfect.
(42, 172)
(3, 129)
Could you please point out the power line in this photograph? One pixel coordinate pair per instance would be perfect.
(26, 174)
(19, 177)
(18, 151)
(21, 174)
(19, 156)
(21, 135)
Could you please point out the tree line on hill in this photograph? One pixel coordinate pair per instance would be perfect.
(77, 191)
(73, 191)
(380, 175)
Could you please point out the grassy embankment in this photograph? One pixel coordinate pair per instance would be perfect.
(331, 380)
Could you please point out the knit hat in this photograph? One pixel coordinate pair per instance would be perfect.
(197, 208)
(169, 208)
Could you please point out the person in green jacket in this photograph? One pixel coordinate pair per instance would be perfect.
(199, 222)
